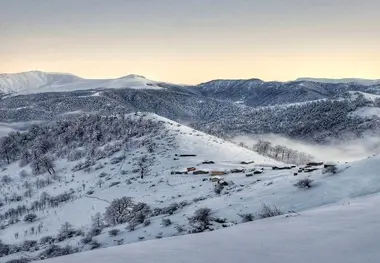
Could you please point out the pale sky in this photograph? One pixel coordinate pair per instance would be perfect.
(190, 41)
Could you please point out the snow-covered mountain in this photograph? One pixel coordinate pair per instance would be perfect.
(40, 82)
(58, 202)
(365, 82)
(257, 93)
(91, 164)
(310, 111)
(307, 110)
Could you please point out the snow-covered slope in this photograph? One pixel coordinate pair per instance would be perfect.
(115, 179)
(365, 82)
(344, 233)
(39, 82)
(167, 181)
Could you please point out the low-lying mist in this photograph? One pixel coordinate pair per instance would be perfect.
(344, 151)
(6, 128)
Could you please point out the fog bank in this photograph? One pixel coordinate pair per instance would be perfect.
(345, 151)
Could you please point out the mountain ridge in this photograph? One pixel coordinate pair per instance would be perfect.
(41, 82)
(365, 82)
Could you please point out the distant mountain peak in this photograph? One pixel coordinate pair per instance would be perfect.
(38, 82)
(133, 76)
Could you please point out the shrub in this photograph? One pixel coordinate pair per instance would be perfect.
(83, 165)
(95, 231)
(54, 201)
(19, 260)
(30, 217)
(331, 169)
(166, 222)
(75, 155)
(198, 199)
(131, 226)
(117, 159)
(103, 174)
(67, 231)
(267, 211)
(4, 249)
(28, 245)
(159, 235)
(23, 174)
(87, 239)
(114, 184)
(184, 203)
(119, 211)
(170, 209)
(13, 249)
(57, 251)
(139, 218)
(157, 211)
(46, 240)
(304, 183)
(99, 166)
(218, 189)
(247, 217)
(147, 222)
(139, 212)
(6, 179)
(180, 229)
(220, 220)
(94, 244)
(113, 232)
(201, 219)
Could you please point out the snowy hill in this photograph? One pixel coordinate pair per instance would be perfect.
(40, 82)
(81, 188)
(169, 170)
(365, 82)
(343, 233)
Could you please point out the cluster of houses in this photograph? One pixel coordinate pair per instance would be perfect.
(309, 167)
(196, 171)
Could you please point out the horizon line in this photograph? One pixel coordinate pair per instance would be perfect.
(311, 79)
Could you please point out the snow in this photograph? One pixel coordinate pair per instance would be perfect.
(6, 128)
(290, 239)
(343, 233)
(40, 82)
(225, 154)
(366, 112)
(365, 82)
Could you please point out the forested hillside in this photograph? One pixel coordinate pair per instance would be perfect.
(319, 121)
